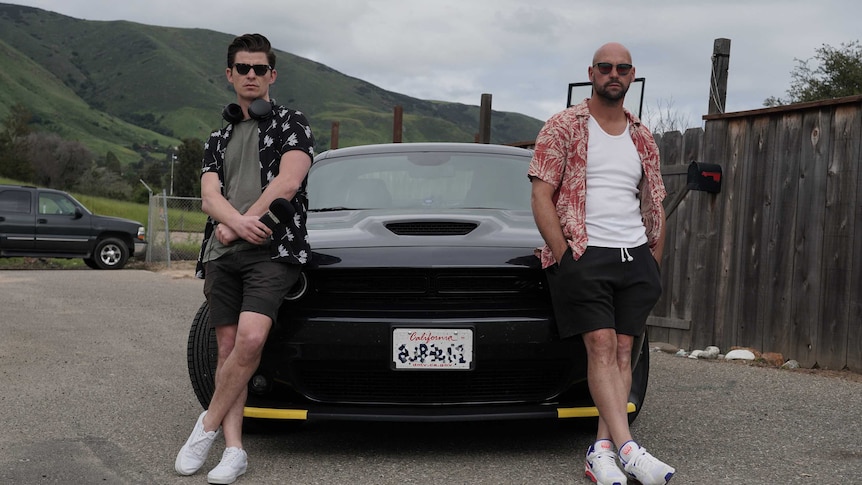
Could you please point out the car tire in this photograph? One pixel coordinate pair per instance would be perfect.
(640, 377)
(202, 356)
(89, 262)
(111, 253)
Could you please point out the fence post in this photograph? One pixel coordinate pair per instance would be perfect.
(151, 220)
(485, 119)
(718, 79)
(398, 124)
(333, 141)
(167, 229)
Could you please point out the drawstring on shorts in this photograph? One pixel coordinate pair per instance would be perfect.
(625, 256)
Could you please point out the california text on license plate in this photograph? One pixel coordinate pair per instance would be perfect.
(432, 348)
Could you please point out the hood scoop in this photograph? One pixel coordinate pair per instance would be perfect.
(431, 228)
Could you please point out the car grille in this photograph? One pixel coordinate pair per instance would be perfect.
(365, 383)
(430, 288)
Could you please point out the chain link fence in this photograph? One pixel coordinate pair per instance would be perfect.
(175, 228)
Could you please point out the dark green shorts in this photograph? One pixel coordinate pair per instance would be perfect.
(247, 281)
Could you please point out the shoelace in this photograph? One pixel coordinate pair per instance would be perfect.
(642, 460)
(231, 455)
(203, 441)
(607, 458)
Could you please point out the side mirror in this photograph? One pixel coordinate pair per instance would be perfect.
(705, 177)
(78, 213)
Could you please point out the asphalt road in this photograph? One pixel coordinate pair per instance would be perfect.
(94, 389)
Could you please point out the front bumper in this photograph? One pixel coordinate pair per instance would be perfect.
(342, 369)
(140, 249)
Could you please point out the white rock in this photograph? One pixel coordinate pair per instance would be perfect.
(739, 354)
(712, 352)
(681, 353)
(697, 354)
(790, 364)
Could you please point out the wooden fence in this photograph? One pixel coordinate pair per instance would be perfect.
(774, 261)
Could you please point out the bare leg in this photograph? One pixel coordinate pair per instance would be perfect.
(240, 349)
(609, 377)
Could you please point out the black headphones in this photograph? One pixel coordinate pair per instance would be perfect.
(259, 109)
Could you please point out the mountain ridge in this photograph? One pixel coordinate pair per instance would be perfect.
(119, 85)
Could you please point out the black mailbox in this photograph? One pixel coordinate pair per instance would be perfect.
(705, 177)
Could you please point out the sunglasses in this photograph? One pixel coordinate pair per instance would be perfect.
(606, 67)
(259, 69)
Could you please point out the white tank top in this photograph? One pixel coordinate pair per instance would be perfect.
(614, 170)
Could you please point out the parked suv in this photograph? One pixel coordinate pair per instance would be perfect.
(50, 223)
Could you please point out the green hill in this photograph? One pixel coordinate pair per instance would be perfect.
(116, 86)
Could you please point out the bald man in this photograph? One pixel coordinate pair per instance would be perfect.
(597, 198)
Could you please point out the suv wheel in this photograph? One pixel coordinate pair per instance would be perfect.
(111, 253)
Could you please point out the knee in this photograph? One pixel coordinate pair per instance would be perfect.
(253, 342)
(601, 343)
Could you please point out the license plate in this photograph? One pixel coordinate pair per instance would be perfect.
(432, 348)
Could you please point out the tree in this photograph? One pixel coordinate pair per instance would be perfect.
(13, 140)
(112, 163)
(187, 172)
(57, 163)
(103, 182)
(838, 73)
(665, 117)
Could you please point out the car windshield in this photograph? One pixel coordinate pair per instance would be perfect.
(416, 180)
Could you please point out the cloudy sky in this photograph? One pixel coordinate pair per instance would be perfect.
(524, 53)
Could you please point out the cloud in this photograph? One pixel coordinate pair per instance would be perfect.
(523, 53)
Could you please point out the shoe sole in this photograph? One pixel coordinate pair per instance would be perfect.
(594, 479)
(666, 477)
(226, 481)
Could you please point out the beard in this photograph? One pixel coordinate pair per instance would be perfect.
(603, 92)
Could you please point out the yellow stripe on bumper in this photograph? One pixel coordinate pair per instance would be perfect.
(588, 412)
(266, 413)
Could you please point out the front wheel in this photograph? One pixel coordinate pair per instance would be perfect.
(110, 253)
(202, 356)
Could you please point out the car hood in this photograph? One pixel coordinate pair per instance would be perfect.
(116, 219)
(372, 228)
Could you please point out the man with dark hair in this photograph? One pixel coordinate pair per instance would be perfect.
(263, 154)
(596, 197)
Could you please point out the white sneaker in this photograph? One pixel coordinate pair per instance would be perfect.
(646, 468)
(234, 462)
(601, 464)
(194, 453)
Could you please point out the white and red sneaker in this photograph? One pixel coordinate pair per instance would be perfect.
(601, 464)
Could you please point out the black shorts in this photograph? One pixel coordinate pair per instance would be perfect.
(605, 288)
(247, 281)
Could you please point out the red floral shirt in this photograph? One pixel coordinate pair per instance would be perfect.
(560, 159)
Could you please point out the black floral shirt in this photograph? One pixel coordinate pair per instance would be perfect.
(283, 131)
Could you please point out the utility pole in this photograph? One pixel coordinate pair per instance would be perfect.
(718, 79)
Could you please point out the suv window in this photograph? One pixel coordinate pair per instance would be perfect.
(15, 201)
(55, 204)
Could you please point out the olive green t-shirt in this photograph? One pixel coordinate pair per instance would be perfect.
(242, 181)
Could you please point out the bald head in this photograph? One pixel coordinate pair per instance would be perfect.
(612, 50)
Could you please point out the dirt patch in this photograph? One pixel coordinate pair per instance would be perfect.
(177, 269)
